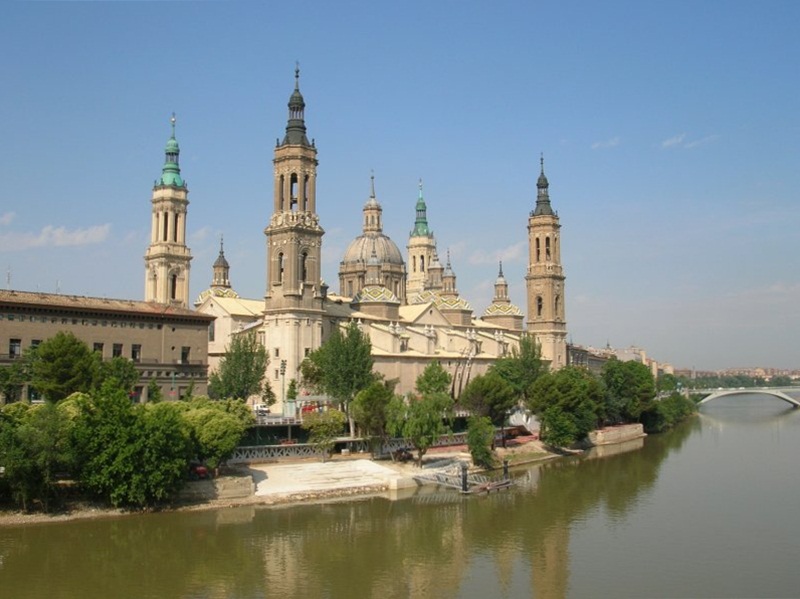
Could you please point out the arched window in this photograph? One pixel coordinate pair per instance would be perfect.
(539, 305)
(422, 264)
(414, 263)
(280, 267)
(173, 287)
(557, 306)
(303, 271)
(293, 193)
(538, 250)
(547, 248)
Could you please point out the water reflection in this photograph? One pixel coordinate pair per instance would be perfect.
(436, 544)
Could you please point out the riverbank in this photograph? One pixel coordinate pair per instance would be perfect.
(298, 481)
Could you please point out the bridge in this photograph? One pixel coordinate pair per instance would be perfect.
(779, 392)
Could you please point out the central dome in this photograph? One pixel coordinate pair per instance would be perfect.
(360, 250)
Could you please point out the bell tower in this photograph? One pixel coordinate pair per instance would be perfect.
(167, 257)
(421, 250)
(545, 278)
(295, 292)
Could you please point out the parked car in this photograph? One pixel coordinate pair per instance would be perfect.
(198, 471)
(261, 409)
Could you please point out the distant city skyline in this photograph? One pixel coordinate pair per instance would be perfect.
(669, 133)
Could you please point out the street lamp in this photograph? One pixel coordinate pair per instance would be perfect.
(283, 385)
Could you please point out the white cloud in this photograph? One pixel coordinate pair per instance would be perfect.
(673, 141)
(200, 235)
(51, 236)
(680, 141)
(609, 143)
(6, 218)
(701, 141)
(511, 253)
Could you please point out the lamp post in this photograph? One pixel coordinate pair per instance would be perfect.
(283, 386)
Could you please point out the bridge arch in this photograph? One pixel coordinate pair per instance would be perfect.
(774, 392)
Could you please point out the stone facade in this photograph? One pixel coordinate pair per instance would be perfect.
(167, 343)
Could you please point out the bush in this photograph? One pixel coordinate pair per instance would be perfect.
(480, 434)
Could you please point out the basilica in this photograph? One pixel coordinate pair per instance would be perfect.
(408, 304)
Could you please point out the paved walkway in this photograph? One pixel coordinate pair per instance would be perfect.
(287, 479)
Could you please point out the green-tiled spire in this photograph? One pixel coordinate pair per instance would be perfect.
(421, 223)
(171, 173)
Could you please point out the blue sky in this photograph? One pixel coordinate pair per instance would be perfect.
(669, 130)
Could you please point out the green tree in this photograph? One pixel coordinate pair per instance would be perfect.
(491, 396)
(241, 370)
(370, 411)
(577, 396)
(522, 367)
(121, 370)
(130, 455)
(63, 365)
(34, 447)
(216, 433)
(421, 420)
(630, 389)
(154, 394)
(434, 379)
(480, 440)
(12, 381)
(324, 428)
(341, 367)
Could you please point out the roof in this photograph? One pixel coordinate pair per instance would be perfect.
(56, 301)
(238, 306)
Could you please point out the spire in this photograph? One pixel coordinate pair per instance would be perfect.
(372, 212)
(171, 172)
(296, 126)
(542, 195)
(501, 270)
(221, 269)
(421, 223)
(501, 287)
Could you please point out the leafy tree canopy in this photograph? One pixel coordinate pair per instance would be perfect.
(342, 366)
(324, 428)
(434, 379)
(241, 370)
(63, 365)
(370, 411)
(629, 390)
(422, 420)
(522, 367)
(575, 392)
(489, 395)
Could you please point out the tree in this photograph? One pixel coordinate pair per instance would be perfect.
(489, 395)
(341, 367)
(630, 389)
(63, 365)
(576, 396)
(422, 420)
(34, 447)
(215, 433)
(154, 394)
(434, 379)
(12, 381)
(522, 367)
(241, 370)
(480, 440)
(323, 428)
(370, 411)
(121, 370)
(130, 455)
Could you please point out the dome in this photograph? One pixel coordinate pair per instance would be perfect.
(443, 303)
(503, 310)
(360, 250)
(215, 292)
(375, 294)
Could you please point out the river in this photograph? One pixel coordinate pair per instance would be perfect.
(706, 510)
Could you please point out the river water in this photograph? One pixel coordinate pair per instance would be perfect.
(706, 510)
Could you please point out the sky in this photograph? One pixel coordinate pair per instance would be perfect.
(670, 134)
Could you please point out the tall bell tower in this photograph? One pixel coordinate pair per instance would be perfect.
(295, 292)
(545, 278)
(167, 257)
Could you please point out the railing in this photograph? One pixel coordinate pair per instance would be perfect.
(263, 453)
